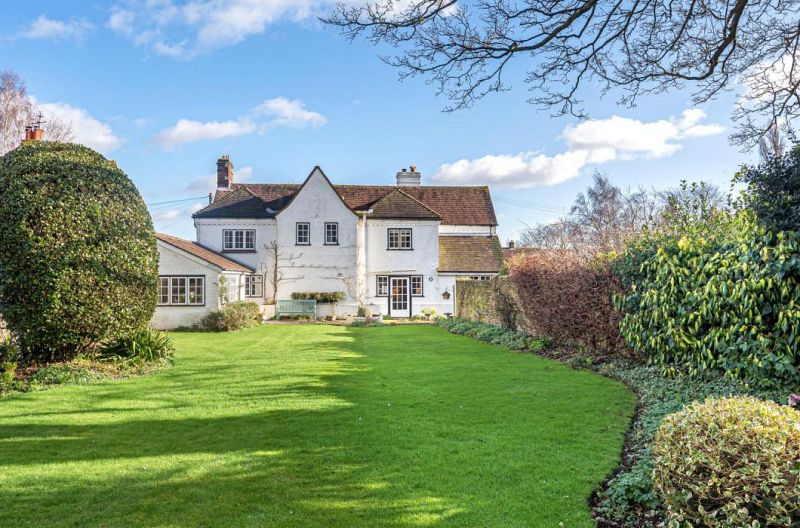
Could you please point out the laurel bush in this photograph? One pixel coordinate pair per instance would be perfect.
(716, 304)
(78, 257)
(730, 463)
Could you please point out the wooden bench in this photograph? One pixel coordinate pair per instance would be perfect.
(295, 307)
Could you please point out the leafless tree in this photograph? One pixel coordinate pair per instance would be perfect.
(584, 48)
(17, 111)
(561, 234)
(604, 218)
(771, 145)
(275, 269)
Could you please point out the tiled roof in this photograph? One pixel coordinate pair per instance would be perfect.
(470, 254)
(455, 205)
(212, 257)
(398, 204)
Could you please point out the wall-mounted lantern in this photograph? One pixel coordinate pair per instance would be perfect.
(446, 294)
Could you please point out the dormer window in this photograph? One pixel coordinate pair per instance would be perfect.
(399, 238)
(303, 234)
(238, 239)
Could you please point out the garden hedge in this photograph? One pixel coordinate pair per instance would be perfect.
(726, 305)
(78, 257)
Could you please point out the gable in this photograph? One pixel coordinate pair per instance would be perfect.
(398, 204)
(317, 194)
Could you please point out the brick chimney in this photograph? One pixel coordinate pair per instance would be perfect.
(224, 173)
(409, 178)
(34, 133)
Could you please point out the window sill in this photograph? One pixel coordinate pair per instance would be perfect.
(399, 249)
(331, 244)
(238, 250)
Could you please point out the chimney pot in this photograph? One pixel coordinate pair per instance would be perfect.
(224, 172)
(511, 244)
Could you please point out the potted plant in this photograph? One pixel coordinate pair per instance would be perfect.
(429, 313)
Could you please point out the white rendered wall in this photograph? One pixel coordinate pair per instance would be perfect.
(423, 260)
(318, 267)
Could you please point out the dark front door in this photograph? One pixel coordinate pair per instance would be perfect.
(399, 297)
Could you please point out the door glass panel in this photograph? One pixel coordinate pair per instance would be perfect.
(399, 294)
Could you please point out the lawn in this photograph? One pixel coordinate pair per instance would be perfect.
(289, 425)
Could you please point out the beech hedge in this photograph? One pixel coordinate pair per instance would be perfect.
(78, 257)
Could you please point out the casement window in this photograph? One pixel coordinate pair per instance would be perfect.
(302, 234)
(239, 239)
(480, 277)
(163, 290)
(331, 233)
(382, 289)
(416, 286)
(181, 291)
(254, 286)
(399, 238)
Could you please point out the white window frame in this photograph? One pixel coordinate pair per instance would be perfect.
(402, 235)
(331, 228)
(307, 234)
(254, 286)
(238, 240)
(182, 290)
(421, 285)
(382, 286)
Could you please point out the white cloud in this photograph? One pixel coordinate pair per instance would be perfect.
(122, 21)
(590, 142)
(291, 113)
(208, 182)
(86, 129)
(272, 113)
(48, 28)
(188, 131)
(202, 25)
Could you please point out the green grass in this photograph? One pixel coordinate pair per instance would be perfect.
(317, 426)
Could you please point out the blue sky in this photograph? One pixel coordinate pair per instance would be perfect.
(165, 87)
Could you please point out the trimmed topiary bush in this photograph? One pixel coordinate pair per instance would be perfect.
(78, 257)
(730, 463)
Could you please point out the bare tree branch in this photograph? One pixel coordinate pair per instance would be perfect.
(586, 48)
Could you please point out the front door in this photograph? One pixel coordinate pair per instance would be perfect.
(399, 301)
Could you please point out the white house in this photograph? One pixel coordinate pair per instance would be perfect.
(394, 248)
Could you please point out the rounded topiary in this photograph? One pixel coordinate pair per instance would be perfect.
(730, 462)
(78, 257)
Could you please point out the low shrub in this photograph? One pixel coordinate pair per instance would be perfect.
(60, 373)
(232, 317)
(514, 339)
(145, 346)
(730, 463)
(320, 297)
